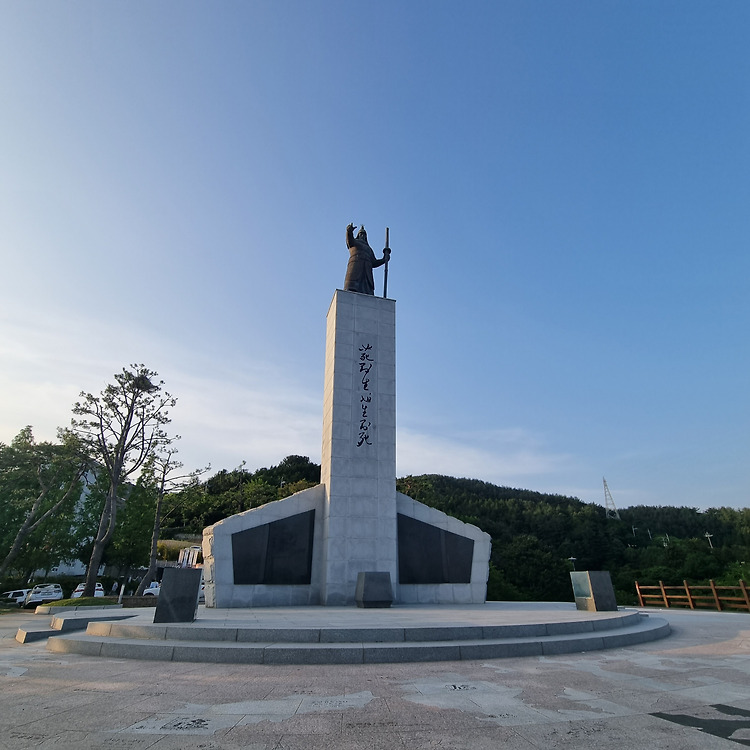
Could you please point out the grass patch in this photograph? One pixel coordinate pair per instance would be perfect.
(87, 601)
(8, 609)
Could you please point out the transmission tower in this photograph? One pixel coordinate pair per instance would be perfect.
(609, 503)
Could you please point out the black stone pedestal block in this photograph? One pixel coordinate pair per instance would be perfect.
(374, 590)
(178, 599)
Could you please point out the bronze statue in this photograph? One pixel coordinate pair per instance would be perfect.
(361, 262)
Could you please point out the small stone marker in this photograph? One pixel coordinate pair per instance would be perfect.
(374, 590)
(178, 599)
(593, 591)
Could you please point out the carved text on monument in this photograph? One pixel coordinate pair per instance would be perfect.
(366, 364)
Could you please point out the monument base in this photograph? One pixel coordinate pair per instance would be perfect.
(272, 556)
(310, 548)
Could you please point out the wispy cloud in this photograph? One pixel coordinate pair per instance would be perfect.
(257, 417)
(250, 411)
(508, 457)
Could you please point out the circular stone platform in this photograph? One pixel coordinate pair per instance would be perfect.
(347, 635)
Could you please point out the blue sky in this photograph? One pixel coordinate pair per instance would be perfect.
(567, 186)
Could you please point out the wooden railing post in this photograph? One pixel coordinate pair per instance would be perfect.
(689, 595)
(664, 594)
(640, 596)
(745, 594)
(716, 594)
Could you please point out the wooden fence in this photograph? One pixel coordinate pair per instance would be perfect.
(710, 597)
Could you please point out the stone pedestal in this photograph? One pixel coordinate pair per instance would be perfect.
(359, 443)
(374, 590)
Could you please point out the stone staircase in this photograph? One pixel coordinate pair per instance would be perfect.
(65, 620)
(379, 643)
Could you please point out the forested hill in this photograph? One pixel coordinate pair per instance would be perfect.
(503, 512)
(534, 534)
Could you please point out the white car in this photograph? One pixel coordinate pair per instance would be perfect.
(43, 593)
(14, 597)
(78, 591)
(152, 589)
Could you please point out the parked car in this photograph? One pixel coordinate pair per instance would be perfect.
(152, 589)
(98, 590)
(43, 593)
(14, 597)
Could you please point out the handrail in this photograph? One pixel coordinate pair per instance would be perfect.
(694, 597)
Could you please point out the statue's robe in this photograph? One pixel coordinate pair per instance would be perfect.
(361, 262)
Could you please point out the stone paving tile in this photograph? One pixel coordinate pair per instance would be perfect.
(83, 719)
(22, 717)
(162, 703)
(410, 716)
(630, 700)
(96, 741)
(308, 725)
(490, 738)
(619, 732)
(353, 741)
(172, 742)
(20, 739)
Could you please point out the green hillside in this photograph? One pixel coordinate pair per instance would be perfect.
(535, 534)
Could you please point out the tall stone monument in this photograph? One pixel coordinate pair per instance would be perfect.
(311, 548)
(358, 466)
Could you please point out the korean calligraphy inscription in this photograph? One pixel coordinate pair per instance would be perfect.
(366, 365)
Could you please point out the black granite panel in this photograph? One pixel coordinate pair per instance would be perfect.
(249, 549)
(178, 597)
(277, 553)
(428, 554)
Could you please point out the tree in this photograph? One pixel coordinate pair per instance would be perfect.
(122, 429)
(38, 481)
(131, 541)
(161, 474)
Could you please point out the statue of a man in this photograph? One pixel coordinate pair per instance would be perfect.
(361, 262)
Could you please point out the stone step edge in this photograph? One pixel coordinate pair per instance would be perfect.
(359, 653)
(57, 625)
(229, 634)
(51, 609)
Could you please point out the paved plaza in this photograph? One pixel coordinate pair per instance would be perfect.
(690, 690)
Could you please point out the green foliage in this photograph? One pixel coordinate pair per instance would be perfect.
(169, 549)
(40, 484)
(131, 542)
(499, 589)
(734, 572)
(229, 492)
